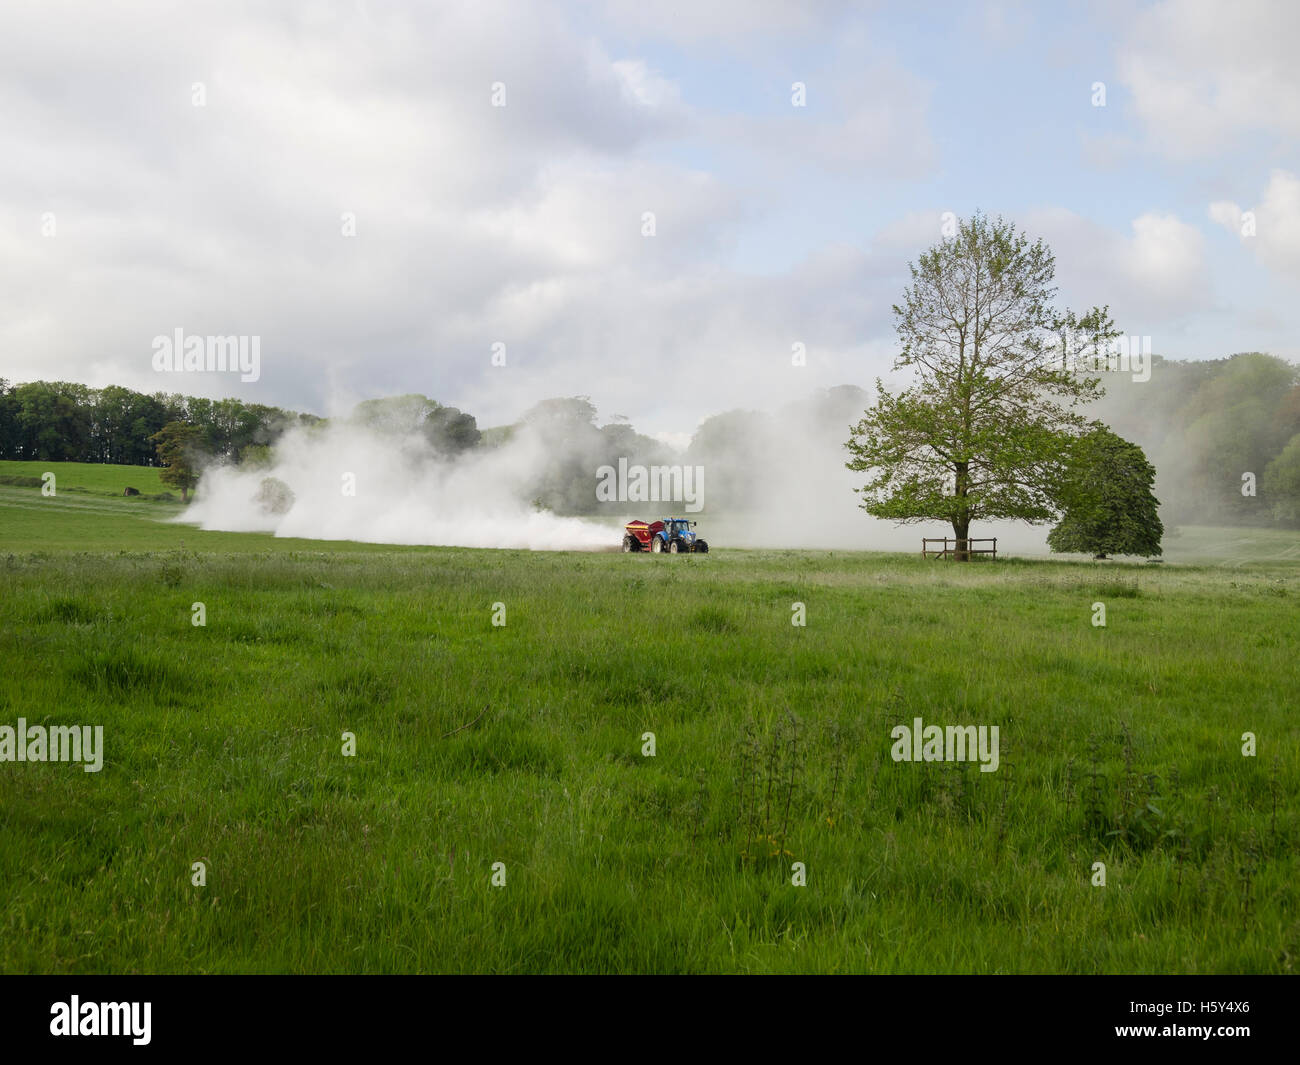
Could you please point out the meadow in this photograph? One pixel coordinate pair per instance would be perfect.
(517, 753)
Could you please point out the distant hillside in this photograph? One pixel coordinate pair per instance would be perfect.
(94, 477)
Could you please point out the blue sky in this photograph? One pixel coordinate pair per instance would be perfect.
(1010, 112)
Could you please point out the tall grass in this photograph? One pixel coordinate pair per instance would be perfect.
(224, 746)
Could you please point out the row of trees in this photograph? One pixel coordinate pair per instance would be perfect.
(1002, 420)
(185, 449)
(57, 421)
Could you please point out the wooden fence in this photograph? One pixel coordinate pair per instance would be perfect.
(948, 548)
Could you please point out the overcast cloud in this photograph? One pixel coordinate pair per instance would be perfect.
(126, 211)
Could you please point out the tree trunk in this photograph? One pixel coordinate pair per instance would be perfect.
(185, 494)
(961, 523)
(961, 529)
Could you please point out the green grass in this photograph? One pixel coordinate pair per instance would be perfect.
(78, 523)
(224, 746)
(97, 478)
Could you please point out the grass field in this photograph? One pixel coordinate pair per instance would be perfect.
(88, 477)
(224, 745)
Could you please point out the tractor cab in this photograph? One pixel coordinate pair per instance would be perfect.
(678, 528)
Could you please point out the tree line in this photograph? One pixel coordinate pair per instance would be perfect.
(999, 422)
(60, 421)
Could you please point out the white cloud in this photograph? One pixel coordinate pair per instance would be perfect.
(1204, 75)
(478, 224)
(1165, 257)
(1276, 223)
(474, 224)
(227, 218)
(1227, 214)
(865, 115)
(645, 86)
(1151, 278)
(912, 233)
(693, 22)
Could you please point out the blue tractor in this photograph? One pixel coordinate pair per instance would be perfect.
(678, 538)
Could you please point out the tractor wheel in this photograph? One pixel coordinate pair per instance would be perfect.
(702, 546)
(657, 546)
(629, 544)
(672, 548)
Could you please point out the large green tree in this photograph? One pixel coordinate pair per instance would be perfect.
(178, 450)
(1106, 499)
(122, 422)
(979, 433)
(53, 420)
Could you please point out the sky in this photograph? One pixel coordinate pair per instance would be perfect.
(389, 194)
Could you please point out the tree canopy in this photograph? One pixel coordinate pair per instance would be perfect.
(1106, 498)
(63, 421)
(178, 451)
